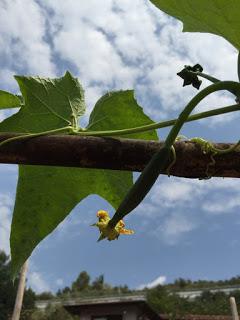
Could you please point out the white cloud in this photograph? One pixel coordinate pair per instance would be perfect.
(6, 203)
(59, 282)
(223, 204)
(174, 191)
(158, 281)
(182, 192)
(146, 209)
(7, 79)
(132, 44)
(169, 211)
(6, 200)
(174, 227)
(37, 282)
(118, 45)
(22, 37)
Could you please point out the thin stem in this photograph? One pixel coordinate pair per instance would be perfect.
(215, 80)
(207, 76)
(224, 151)
(162, 124)
(224, 85)
(38, 134)
(238, 63)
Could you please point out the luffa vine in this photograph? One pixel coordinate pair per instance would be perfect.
(62, 100)
(166, 157)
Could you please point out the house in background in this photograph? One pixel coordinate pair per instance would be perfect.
(122, 307)
(112, 308)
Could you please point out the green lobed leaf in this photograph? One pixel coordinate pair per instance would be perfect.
(219, 17)
(9, 100)
(48, 104)
(46, 195)
(119, 110)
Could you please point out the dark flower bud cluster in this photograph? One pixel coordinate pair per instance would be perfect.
(188, 74)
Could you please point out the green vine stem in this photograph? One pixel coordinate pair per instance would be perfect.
(215, 80)
(208, 147)
(162, 124)
(112, 133)
(38, 134)
(206, 76)
(218, 86)
(160, 160)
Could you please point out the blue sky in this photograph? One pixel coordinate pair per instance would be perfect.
(184, 228)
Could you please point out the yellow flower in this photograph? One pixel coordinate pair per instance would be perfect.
(103, 215)
(106, 231)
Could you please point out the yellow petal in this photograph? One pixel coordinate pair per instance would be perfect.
(106, 231)
(126, 231)
(102, 214)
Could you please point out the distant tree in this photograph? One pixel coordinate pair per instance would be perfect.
(82, 282)
(52, 313)
(182, 283)
(124, 289)
(161, 300)
(59, 293)
(8, 290)
(164, 301)
(98, 283)
(29, 299)
(46, 295)
(66, 290)
(212, 303)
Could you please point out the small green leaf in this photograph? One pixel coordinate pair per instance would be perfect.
(213, 16)
(46, 195)
(9, 100)
(119, 110)
(49, 104)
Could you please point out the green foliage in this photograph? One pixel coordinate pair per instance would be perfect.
(8, 290)
(160, 300)
(82, 282)
(46, 195)
(119, 110)
(48, 104)
(98, 283)
(164, 301)
(216, 16)
(9, 100)
(52, 313)
(187, 284)
(84, 287)
(46, 295)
